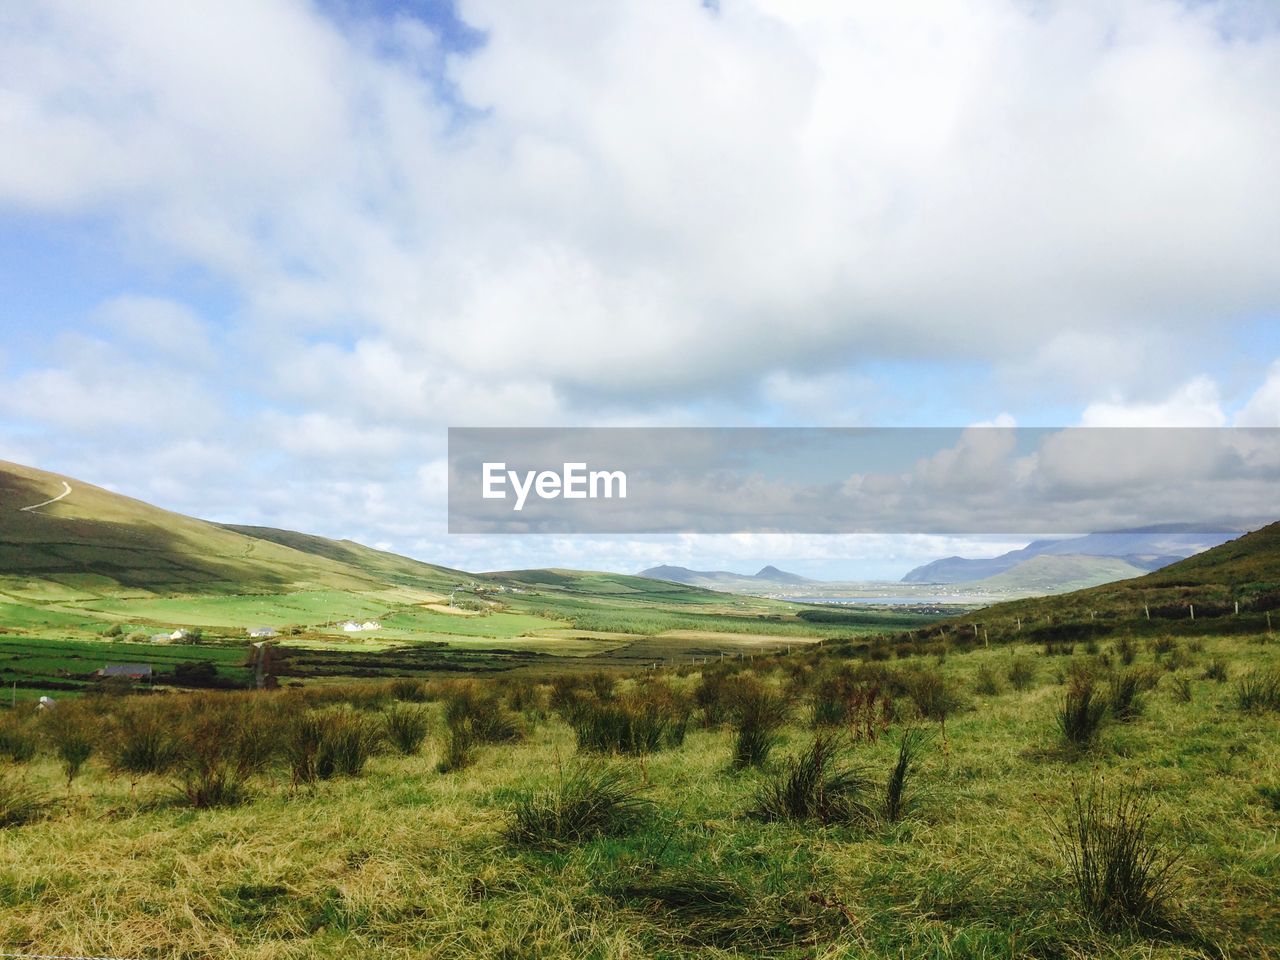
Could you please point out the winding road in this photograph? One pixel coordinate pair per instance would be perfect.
(45, 503)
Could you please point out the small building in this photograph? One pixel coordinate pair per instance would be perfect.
(262, 633)
(133, 671)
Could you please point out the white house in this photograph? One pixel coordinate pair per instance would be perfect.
(262, 633)
(351, 626)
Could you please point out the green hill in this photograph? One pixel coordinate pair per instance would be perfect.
(1049, 574)
(94, 542)
(1229, 588)
(385, 567)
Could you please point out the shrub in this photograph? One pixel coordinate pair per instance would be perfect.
(1259, 690)
(1126, 651)
(408, 689)
(406, 727)
(1021, 673)
(141, 743)
(986, 682)
(758, 716)
(223, 740)
(71, 731)
(1081, 713)
(592, 801)
(852, 699)
(1215, 670)
(18, 740)
(459, 749)
(897, 802)
(935, 697)
(473, 717)
(815, 786)
(528, 698)
(712, 695)
(1125, 695)
(347, 741)
(300, 745)
(1182, 689)
(481, 712)
(19, 803)
(1121, 876)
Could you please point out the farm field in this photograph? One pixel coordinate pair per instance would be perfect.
(403, 860)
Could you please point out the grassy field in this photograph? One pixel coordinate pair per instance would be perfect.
(404, 860)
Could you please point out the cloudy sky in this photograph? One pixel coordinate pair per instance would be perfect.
(257, 255)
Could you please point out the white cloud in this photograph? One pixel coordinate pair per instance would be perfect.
(660, 196)
(1263, 408)
(1197, 403)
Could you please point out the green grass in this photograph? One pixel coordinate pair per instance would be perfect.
(405, 861)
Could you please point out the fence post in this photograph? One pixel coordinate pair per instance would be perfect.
(1192, 607)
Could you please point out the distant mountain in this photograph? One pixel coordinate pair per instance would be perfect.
(768, 576)
(774, 575)
(1146, 548)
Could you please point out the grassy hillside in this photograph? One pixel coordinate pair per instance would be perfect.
(395, 858)
(1057, 574)
(390, 568)
(1233, 587)
(93, 542)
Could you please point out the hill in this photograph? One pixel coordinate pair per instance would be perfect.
(1229, 588)
(1147, 548)
(1049, 574)
(91, 541)
(768, 579)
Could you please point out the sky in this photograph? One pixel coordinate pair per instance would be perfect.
(258, 255)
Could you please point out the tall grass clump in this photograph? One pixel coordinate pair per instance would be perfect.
(1127, 651)
(1080, 713)
(594, 800)
(758, 715)
(347, 740)
(897, 801)
(19, 803)
(816, 785)
(986, 682)
(638, 722)
(408, 690)
(300, 745)
(18, 739)
(223, 741)
(473, 716)
(405, 727)
(1021, 673)
(141, 743)
(1259, 690)
(1124, 695)
(1215, 670)
(935, 698)
(72, 733)
(853, 699)
(1121, 875)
